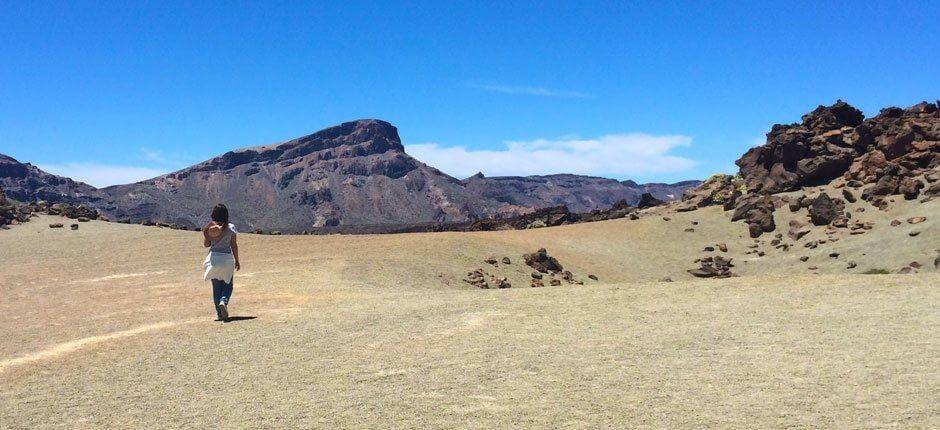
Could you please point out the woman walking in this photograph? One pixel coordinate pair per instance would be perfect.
(222, 262)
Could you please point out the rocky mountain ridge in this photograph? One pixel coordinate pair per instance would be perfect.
(354, 177)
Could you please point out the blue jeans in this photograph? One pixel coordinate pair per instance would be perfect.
(221, 292)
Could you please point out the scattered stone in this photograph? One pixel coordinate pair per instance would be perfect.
(833, 255)
(761, 253)
(797, 230)
(709, 249)
(592, 277)
(554, 282)
(83, 219)
(536, 275)
(916, 219)
(895, 223)
(848, 196)
(56, 225)
(668, 279)
(665, 218)
(506, 260)
(907, 270)
(537, 283)
(910, 187)
(913, 233)
(796, 204)
(74, 226)
(812, 268)
(501, 282)
(851, 265)
(477, 278)
(491, 261)
(758, 212)
(541, 261)
(824, 210)
(689, 230)
(723, 247)
(713, 267)
(915, 265)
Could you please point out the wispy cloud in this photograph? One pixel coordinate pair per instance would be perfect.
(533, 91)
(176, 160)
(102, 175)
(617, 155)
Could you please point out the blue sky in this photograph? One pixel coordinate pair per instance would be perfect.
(111, 92)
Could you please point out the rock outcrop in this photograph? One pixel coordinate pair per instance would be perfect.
(888, 151)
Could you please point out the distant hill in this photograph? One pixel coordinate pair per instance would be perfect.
(26, 182)
(353, 174)
(578, 193)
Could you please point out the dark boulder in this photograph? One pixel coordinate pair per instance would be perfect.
(824, 209)
(541, 261)
(647, 200)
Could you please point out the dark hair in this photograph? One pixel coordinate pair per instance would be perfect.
(220, 214)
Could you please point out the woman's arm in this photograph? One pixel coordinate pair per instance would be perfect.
(205, 235)
(238, 265)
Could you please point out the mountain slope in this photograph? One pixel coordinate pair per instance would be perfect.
(26, 182)
(579, 193)
(355, 176)
(356, 173)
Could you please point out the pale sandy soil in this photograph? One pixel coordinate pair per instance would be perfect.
(111, 326)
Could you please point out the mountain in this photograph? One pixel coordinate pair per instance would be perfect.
(578, 193)
(26, 182)
(356, 173)
(352, 177)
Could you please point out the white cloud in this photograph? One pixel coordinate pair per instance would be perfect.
(533, 91)
(616, 155)
(102, 175)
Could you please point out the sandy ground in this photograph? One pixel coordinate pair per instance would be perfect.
(112, 326)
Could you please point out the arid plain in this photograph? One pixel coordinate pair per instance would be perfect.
(112, 325)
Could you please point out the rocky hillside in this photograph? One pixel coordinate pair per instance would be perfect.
(577, 193)
(895, 153)
(354, 177)
(25, 182)
(356, 173)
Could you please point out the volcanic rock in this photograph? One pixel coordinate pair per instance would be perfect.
(797, 229)
(824, 209)
(713, 267)
(835, 141)
(647, 200)
(757, 210)
(542, 262)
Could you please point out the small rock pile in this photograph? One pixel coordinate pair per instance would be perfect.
(713, 267)
(542, 262)
(546, 264)
(480, 279)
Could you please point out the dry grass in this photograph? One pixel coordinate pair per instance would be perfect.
(110, 326)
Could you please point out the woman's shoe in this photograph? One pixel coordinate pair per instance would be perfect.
(223, 311)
